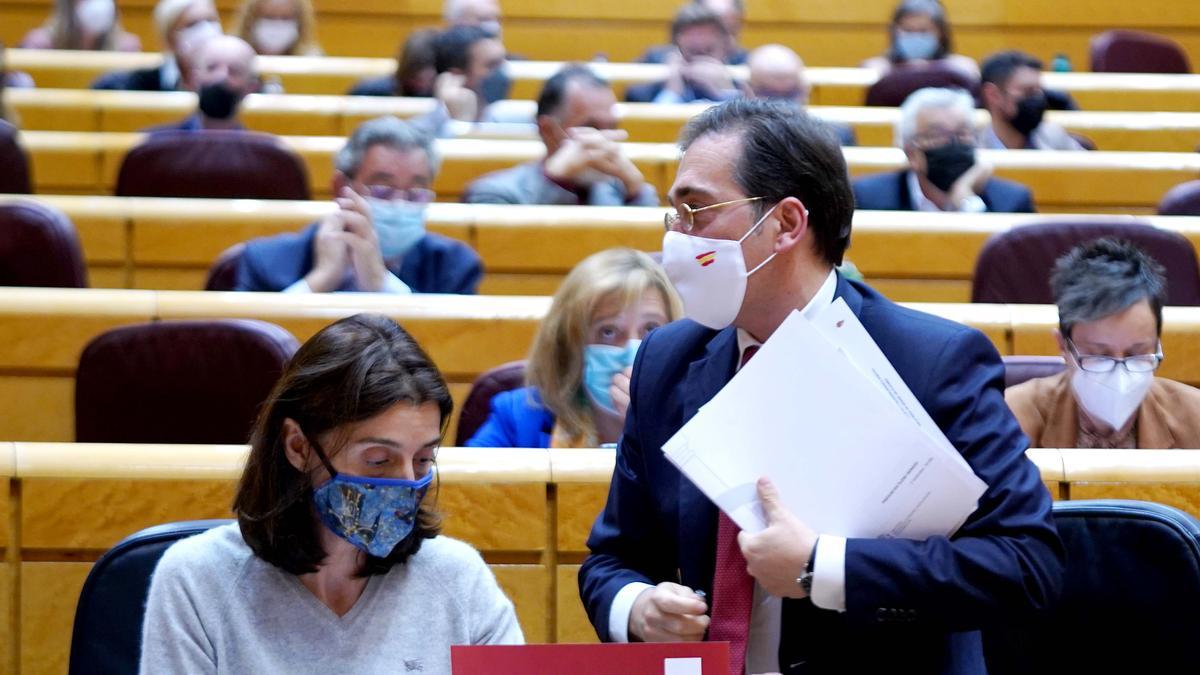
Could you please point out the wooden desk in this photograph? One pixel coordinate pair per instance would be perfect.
(169, 244)
(839, 86)
(87, 163)
(313, 115)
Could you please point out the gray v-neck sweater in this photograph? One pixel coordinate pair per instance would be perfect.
(215, 607)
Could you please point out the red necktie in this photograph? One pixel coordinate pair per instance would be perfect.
(733, 587)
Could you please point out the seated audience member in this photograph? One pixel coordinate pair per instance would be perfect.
(470, 77)
(82, 24)
(483, 14)
(278, 27)
(920, 33)
(183, 26)
(697, 67)
(1110, 296)
(376, 240)
(584, 164)
(731, 12)
(6, 114)
(944, 174)
(777, 73)
(336, 562)
(224, 73)
(1012, 92)
(415, 70)
(582, 356)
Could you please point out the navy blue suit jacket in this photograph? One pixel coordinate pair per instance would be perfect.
(912, 605)
(889, 192)
(435, 264)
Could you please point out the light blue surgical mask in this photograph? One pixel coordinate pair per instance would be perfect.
(916, 45)
(600, 364)
(374, 514)
(398, 224)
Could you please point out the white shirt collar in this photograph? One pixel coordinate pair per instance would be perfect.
(820, 300)
(918, 198)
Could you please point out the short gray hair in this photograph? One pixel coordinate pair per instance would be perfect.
(1102, 278)
(390, 131)
(930, 97)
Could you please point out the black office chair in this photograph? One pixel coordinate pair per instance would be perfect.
(1130, 595)
(107, 637)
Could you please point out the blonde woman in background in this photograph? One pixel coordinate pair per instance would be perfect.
(83, 24)
(278, 27)
(578, 374)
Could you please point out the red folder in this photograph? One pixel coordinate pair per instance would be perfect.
(643, 658)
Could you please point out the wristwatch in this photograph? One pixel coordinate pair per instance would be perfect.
(805, 580)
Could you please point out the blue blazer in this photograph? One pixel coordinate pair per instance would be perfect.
(518, 420)
(436, 264)
(889, 192)
(916, 605)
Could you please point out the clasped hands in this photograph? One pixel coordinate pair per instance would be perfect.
(586, 156)
(344, 238)
(775, 557)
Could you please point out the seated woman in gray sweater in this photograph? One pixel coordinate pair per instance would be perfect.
(335, 563)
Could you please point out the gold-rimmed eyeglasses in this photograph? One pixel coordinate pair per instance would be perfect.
(684, 216)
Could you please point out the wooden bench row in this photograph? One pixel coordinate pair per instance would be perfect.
(314, 115)
(826, 33)
(43, 332)
(71, 162)
(62, 505)
(169, 244)
(838, 86)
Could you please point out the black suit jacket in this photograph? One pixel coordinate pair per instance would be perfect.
(911, 606)
(889, 192)
(144, 79)
(436, 264)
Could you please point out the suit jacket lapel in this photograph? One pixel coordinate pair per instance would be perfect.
(697, 515)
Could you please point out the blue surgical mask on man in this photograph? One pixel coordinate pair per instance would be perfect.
(600, 364)
(399, 225)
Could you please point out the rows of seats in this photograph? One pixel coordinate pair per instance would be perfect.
(66, 162)
(313, 115)
(541, 504)
(620, 30)
(840, 86)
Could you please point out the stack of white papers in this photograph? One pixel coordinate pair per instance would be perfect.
(822, 413)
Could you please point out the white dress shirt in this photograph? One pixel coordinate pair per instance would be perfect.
(829, 569)
(972, 204)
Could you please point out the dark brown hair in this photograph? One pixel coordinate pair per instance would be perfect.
(350, 371)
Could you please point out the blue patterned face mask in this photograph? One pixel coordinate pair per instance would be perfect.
(374, 514)
(600, 364)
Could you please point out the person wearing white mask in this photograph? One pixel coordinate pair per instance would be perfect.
(278, 27)
(184, 26)
(376, 240)
(577, 375)
(82, 24)
(762, 209)
(1110, 296)
(919, 33)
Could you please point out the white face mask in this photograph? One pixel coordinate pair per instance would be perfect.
(96, 16)
(1112, 397)
(275, 36)
(709, 274)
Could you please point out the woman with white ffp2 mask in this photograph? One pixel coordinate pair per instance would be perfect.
(1110, 296)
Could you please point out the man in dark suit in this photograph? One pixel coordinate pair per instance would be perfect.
(183, 26)
(731, 12)
(764, 188)
(223, 76)
(938, 137)
(376, 240)
(777, 73)
(696, 65)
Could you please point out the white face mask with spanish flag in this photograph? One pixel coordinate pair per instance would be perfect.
(709, 274)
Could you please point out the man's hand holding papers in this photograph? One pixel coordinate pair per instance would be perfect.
(777, 555)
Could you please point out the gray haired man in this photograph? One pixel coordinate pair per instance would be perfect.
(376, 240)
